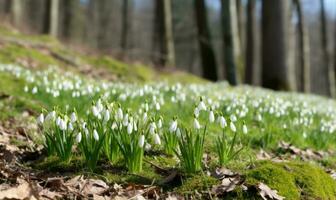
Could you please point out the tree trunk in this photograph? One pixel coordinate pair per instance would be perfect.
(124, 27)
(208, 60)
(240, 25)
(16, 12)
(229, 47)
(304, 50)
(54, 10)
(163, 34)
(169, 39)
(70, 22)
(276, 72)
(252, 70)
(327, 69)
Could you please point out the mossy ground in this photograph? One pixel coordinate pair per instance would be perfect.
(293, 180)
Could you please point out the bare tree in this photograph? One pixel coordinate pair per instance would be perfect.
(208, 60)
(230, 44)
(276, 69)
(252, 70)
(327, 67)
(304, 51)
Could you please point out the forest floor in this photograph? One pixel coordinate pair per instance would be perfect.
(287, 150)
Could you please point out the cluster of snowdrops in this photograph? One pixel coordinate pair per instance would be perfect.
(169, 118)
(112, 131)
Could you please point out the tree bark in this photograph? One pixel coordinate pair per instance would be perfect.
(163, 34)
(252, 70)
(304, 51)
(276, 72)
(327, 70)
(208, 60)
(229, 20)
(16, 12)
(169, 39)
(124, 27)
(54, 14)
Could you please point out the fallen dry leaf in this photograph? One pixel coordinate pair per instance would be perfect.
(23, 191)
(221, 173)
(267, 193)
(227, 185)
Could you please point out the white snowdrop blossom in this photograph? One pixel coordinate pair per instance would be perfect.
(244, 129)
(157, 139)
(152, 128)
(95, 111)
(106, 115)
(201, 105)
(196, 124)
(141, 141)
(222, 122)
(157, 106)
(120, 115)
(79, 137)
(62, 125)
(159, 123)
(233, 118)
(40, 119)
(211, 116)
(73, 117)
(95, 135)
(130, 128)
(173, 126)
(233, 127)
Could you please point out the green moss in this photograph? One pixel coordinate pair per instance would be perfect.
(53, 164)
(12, 53)
(197, 182)
(294, 180)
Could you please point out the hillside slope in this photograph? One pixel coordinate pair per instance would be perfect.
(278, 144)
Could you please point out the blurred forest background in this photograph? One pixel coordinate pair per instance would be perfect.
(277, 44)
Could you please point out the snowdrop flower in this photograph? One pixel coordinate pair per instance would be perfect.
(233, 118)
(62, 124)
(95, 111)
(114, 126)
(135, 127)
(244, 129)
(26, 89)
(34, 90)
(157, 106)
(119, 114)
(51, 116)
(159, 123)
(40, 119)
(259, 118)
(211, 116)
(152, 128)
(157, 139)
(144, 117)
(106, 115)
(79, 137)
(95, 135)
(130, 128)
(141, 141)
(201, 105)
(173, 126)
(178, 132)
(222, 122)
(70, 126)
(233, 127)
(73, 117)
(196, 111)
(196, 124)
(125, 122)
